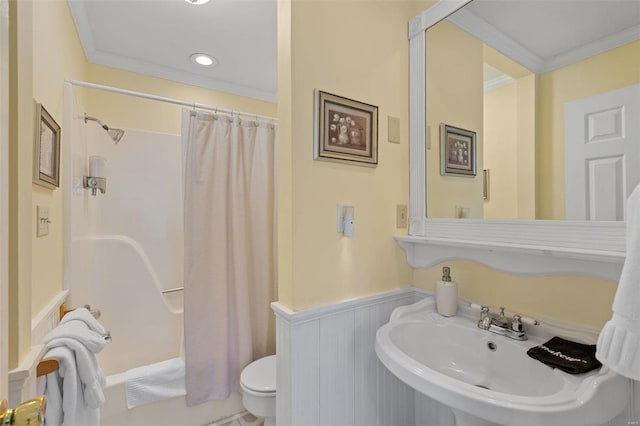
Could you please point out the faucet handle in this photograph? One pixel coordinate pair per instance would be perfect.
(516, 323)
(484, 311)
(485, 318)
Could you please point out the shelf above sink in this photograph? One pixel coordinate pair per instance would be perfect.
(523, 247)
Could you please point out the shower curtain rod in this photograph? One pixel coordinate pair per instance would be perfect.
(193, 105)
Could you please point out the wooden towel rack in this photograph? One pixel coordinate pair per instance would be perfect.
(49, 365)
(46, 366)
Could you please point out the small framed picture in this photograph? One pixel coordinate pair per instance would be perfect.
(345, 130)
(457, 151)
(46, 158)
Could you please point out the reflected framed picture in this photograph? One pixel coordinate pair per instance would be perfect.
(345, 130)
(46, 152)
(457, 151)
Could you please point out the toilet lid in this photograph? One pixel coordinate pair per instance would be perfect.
(260, 375)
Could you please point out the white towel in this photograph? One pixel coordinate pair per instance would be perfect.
(155, 382)
(618, 345)
(82, 314)
(75, 391)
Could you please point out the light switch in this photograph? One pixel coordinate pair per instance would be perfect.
(43, 221)
(393, 129)
(401, 216)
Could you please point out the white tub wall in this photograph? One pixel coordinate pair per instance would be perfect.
(127, 244)
(144, 195)
(168, 412)
(144, 330)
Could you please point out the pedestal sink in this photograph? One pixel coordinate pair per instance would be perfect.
(488, 379)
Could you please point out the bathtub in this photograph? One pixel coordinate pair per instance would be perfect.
(114, 274)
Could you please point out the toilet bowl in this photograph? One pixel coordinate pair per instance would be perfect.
(258, 383)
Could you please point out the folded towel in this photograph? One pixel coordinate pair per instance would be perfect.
(79, 331)
(618, 345)
(75, 390)
(570, 357)
(155, 382)
(82, 314)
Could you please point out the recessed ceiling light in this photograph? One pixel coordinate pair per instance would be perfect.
(203, 59)
(197, 1)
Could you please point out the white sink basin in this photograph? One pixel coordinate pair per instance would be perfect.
(489, 379)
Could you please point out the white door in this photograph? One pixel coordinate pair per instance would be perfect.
(602, 154)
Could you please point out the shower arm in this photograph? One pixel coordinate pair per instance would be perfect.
(114, 134)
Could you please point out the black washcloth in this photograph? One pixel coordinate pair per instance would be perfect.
(570, 357)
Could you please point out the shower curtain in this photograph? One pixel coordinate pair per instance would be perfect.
(229, 205)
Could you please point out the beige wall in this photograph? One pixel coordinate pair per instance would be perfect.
(357, 50)
(122, 111)
(454, 97)
(611, 70)
(500, 135)
(56, 55)
(20, 172)
(577, 300)
(509, 149)
(526, 146)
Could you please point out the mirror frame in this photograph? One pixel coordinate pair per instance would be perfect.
(534, 247)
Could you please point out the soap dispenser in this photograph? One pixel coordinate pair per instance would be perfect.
(446, 294)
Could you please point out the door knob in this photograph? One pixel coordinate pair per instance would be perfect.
(29, 413)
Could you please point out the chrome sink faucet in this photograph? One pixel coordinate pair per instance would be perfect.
(500, 324)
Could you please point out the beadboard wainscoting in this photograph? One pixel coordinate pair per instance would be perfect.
(329, 375)
(22, 380)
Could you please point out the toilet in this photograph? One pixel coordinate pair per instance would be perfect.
(258, 383)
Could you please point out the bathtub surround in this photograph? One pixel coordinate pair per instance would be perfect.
(619, 341)
(124, 248)
(229, 261)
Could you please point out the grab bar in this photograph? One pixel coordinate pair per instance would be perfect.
(172, 290)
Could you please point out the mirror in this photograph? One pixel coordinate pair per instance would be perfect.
(550, 91)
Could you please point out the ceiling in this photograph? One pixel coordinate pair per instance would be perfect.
(544, 35)
(157, 38)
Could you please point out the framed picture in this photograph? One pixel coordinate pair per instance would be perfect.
(457, 151)
(345, 130)
(46, 164)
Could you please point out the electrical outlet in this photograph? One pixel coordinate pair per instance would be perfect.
(462, 212)
(43, 221)
(401, 216)
(393, 129)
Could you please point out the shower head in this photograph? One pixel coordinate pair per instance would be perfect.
(115, 134)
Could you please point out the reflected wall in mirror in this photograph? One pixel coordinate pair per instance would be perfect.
(556, 119)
